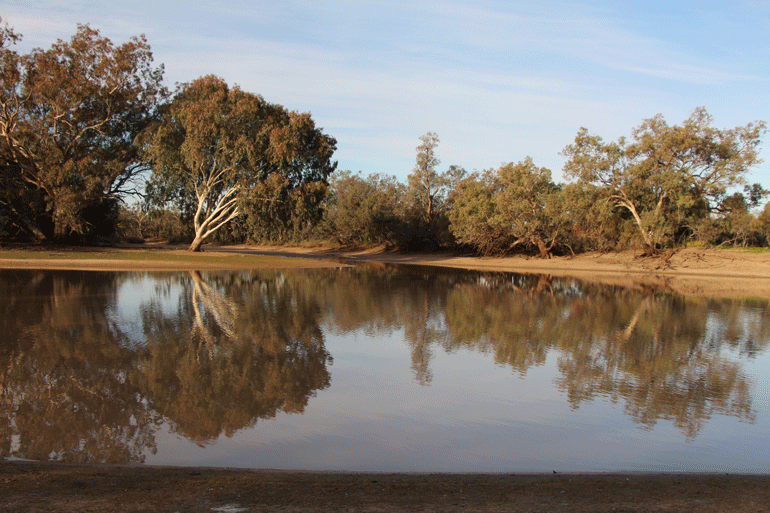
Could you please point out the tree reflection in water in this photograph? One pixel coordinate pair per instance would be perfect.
(64, 371)
(239, 347)
(662, 356)
(254, 348)
(75, 389)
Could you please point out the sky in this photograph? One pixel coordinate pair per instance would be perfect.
(496, 80)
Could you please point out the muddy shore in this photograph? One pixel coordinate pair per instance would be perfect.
(47, 487)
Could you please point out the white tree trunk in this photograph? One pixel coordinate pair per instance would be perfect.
(208, 220)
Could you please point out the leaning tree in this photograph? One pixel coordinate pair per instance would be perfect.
(664, 169)
(213, 143)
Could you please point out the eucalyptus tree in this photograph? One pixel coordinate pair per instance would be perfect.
(516, 206)
(472, 212)
(365, 209)
(429, 193)
(763, 222)
(214, 142)
(425, 183)
(530, 207)
(68, 118)
(664, 170)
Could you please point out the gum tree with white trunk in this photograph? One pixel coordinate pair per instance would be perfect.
(664, 170)
(214, 142)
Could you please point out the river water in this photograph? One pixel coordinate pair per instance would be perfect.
(380, 368)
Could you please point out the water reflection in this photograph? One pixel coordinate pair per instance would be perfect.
(238, 348)
(66, 393)
(216, 352)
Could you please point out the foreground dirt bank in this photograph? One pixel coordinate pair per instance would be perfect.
(48, 487)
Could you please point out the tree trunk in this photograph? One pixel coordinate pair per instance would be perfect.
(196, 244)
(31, 226)
(648, 236)
(60, 228)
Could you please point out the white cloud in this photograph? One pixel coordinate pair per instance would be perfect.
(496, 80)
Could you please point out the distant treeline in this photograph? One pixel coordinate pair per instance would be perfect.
(93, 148)
(646, 193)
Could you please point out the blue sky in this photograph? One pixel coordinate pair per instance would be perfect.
(496, 80)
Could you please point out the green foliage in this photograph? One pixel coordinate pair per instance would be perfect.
(81, 121)
(365, 210)
(215, 143)
(472, 212)
(274, 211)
(530, 207)
(68, 117)
(428, 198)
(665, 172)
(517, 206)
(426, 186)
(763, 222)
(596, 224)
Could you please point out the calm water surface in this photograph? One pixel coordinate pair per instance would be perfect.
(380, 368)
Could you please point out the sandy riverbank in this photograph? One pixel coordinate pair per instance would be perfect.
(692, 271)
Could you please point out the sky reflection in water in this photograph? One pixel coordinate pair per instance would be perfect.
(380, 368)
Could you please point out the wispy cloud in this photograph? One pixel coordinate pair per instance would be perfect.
(497, 80)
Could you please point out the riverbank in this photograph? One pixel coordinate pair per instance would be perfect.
(694, 272)
(49, 487)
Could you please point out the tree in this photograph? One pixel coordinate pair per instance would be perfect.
(429, 193)
(665, 169)
(425, 184)
(763, 223)
(472, 213)
(68, 118)
(517, 206)
(274, 210)
(365, 209)
(595, 223)
(530, 207)
(213, 142)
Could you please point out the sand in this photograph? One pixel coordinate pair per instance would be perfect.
(731, 273)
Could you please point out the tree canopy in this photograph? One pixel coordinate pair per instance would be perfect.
(665, 169)
(517, 205)
(83, 122)
(214, 142)
(68, 118)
